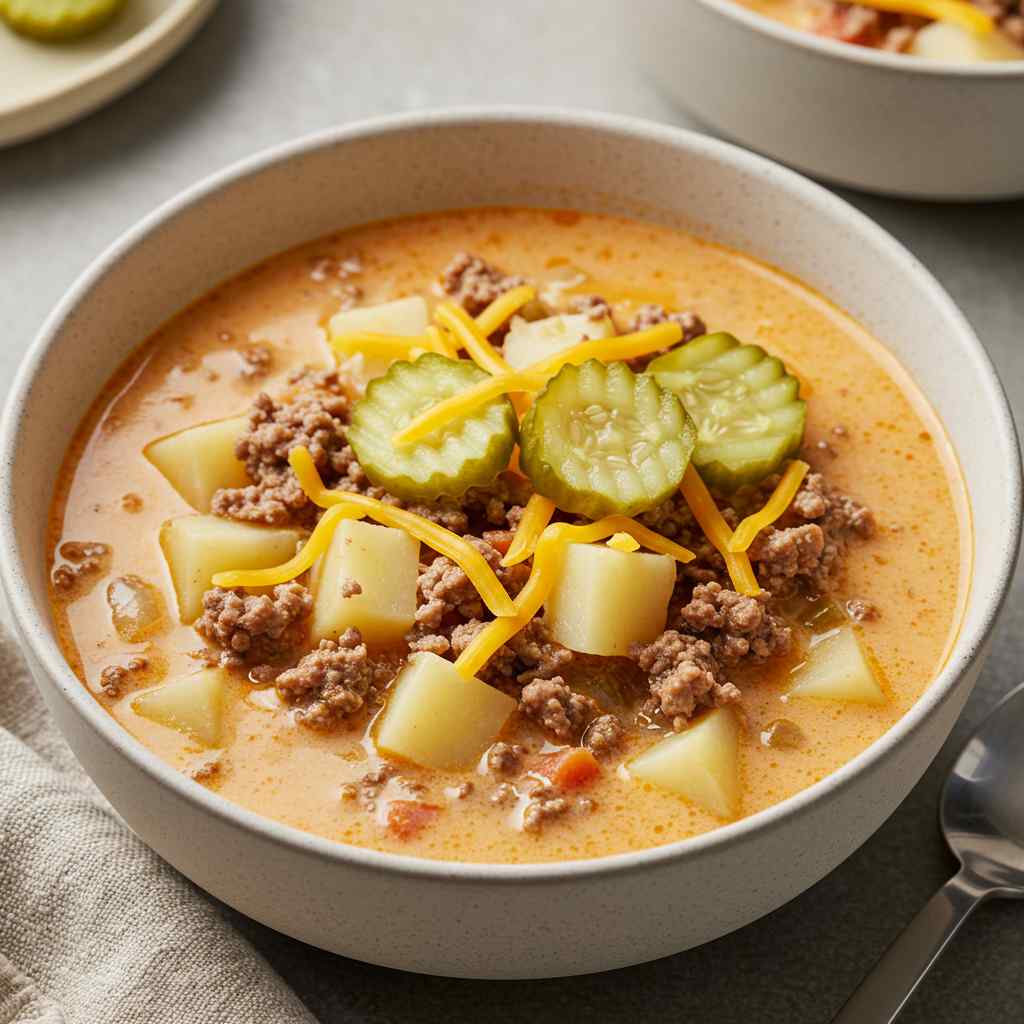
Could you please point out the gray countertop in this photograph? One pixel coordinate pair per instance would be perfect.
(266, 70)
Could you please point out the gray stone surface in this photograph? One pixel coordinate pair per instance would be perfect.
(267, 70)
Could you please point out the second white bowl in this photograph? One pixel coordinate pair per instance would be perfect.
(884, 122)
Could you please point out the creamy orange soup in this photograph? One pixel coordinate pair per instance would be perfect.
(868, 430)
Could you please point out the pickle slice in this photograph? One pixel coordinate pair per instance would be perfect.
(749, 415)
(467, 452)
(601, 440)
(57, 19)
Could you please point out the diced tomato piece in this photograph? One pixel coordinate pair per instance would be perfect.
(569, 769)
(500, 540)
(408, 818)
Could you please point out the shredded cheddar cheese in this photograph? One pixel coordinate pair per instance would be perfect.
(782, 497)
(470, 337)
(465, 402)
(503, 308)
(440, 341)
(547, 559)
(318, 542)
(536, 376)
(705, 511)
(536, 516)
(389, 346)
(608, 350)
(957, 12)
(457, 548)
(622, 542)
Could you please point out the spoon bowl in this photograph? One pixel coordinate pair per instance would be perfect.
(982, 818)
(982, 811)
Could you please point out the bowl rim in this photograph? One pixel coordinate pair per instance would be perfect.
(882, 59)
(36, 629)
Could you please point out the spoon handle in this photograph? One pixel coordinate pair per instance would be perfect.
(885, 991)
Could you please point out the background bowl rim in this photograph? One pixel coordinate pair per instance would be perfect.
(35, 628)
(863, 55)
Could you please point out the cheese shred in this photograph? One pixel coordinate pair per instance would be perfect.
(469, 335)
(705, 511)
(457, 548)
(547, 560)
(503, 308)
(465, 402)
(536, 516)
(318, 542)
(622, 542)
(465, 331)
(388, 346)
(609, 350)
(781, 499)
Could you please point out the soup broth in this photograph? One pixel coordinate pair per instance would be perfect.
(870, 435)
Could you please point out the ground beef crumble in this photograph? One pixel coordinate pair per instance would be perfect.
(650, 315)
(330, 683)
(85, 561)
(593, 306)
(474, 283)
(556, 708)
(504, 758)
(544, 806)
(528, 656)
(684, 676)
(738, 627)
(315, 420)
(807, 549)
(604, 735)
(255, 628)
(444, 588)
(113, 677)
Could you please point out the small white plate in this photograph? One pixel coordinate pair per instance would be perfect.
(44, 85)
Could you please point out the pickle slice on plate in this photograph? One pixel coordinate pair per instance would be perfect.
(57, 19)
(601, 440)
(467, 452)
(749, 415)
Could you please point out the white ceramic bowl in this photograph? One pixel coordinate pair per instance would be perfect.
(879, 121)
(499, 920)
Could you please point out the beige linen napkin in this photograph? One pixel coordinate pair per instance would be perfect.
(94, 927)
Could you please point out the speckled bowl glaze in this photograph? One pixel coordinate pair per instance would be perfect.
(879, 121)
(481, 920)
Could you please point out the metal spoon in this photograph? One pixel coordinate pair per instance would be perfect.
(982, 818)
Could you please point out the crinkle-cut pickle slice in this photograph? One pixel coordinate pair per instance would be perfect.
(601, 440)
(467, 452)
(57, 19)
(746, 406)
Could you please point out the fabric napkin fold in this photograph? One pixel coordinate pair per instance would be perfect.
(94, 927)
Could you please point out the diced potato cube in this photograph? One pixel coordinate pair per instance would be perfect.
(198, 547)
(437, 718)
(200, 460)
(836, 669)
(942, 40)
(700, 764)
(385, 563)
(605, 599)
(529, 341)
(193, 705)
(406, 317)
